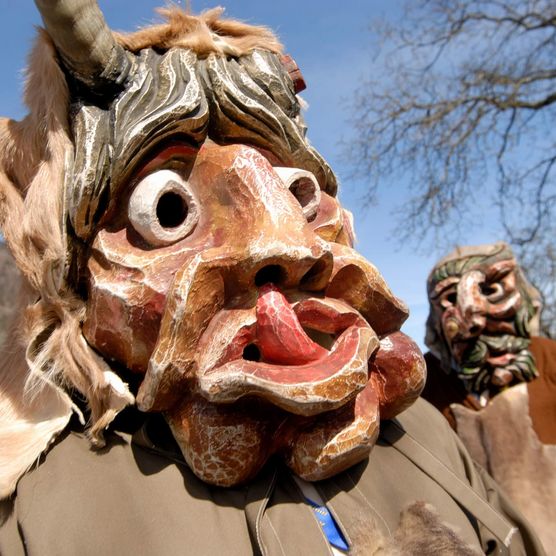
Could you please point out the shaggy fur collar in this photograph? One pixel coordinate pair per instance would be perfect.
(501, 438)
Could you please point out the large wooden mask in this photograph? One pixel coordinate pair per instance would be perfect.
(216, 262)
(482, 310)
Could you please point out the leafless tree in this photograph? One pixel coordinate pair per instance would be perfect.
(464, 111)
(539, 259)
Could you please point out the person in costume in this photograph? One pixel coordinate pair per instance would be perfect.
(492, 377)
(202, 363)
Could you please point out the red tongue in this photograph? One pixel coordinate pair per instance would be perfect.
(281, 338)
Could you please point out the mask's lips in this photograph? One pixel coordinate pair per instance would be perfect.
(501, 360)
(292, 371)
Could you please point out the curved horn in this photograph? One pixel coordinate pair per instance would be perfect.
(84, 42)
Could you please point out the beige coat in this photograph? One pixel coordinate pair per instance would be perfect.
(136, 499)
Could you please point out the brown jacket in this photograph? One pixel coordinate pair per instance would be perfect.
(542, 391)
(136, 499)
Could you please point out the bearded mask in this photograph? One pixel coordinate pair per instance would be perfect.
(205, 251)
(482, 312)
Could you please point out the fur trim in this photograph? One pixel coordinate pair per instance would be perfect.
(45, 355)
(420, 531)
(203, 34)
(502, 439)
(27, 423)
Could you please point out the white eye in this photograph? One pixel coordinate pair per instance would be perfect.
(162, 208)
(304, 187)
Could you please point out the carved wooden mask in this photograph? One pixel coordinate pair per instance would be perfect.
(482, 309)
(218, 264)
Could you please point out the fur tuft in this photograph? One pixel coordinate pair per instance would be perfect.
(46, 355)
(420, 531)
(203, 34)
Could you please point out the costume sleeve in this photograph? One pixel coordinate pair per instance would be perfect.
(11, 543)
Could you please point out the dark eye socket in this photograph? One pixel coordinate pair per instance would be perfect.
(171, 210)
(303, 189)
(488, 289)
(448, 298)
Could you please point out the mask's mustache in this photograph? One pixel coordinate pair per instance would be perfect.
(486, 345)
(475, 370)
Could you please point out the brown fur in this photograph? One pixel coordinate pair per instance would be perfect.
(502, 439)
(31, 168)
(420, 532)
(204, 34)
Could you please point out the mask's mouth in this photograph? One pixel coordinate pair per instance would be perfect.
(496, 351)
(470, 352)
(491, 363)
(301, 356)
(501, 360)
(307, 356)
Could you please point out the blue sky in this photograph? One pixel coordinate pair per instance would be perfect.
(330, 41)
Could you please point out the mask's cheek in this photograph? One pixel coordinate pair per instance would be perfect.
(450, 320)
(127, 291)
(506, 308)
(123, 314)
(333, 223)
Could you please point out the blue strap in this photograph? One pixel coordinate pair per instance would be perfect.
(329, 527)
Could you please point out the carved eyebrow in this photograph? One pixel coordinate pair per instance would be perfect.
(500, 269)
(443, 285)
(164, 99)
(172, 151)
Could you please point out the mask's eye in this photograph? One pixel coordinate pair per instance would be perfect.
(493, 292)
(162, 208)
(449, 298)
(304, 187)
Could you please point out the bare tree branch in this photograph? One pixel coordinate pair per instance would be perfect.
(466, 95)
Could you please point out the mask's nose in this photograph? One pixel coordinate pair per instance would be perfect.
(288, 267)
(309, 273)
(268, 238)
(472, 304)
